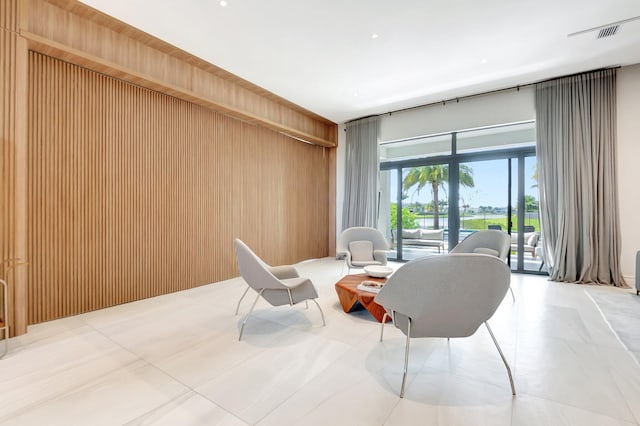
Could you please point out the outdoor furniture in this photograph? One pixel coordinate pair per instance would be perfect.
(445, 296)
(530, 242)
(286, 291)
(362, 246)
(421, 238)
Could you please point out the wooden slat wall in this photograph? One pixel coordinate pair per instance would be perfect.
(8, 25)
(133, 193)
(13, 62)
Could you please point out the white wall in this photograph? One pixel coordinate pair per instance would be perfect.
(628, 110)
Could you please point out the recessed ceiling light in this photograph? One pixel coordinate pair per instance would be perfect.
(484, 61)
(374, 36)
(223, 3)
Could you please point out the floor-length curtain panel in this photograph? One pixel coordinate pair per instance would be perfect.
(360, 207)
(576, 149)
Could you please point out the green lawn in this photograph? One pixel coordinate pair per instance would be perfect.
(484, 223)
(481, 223)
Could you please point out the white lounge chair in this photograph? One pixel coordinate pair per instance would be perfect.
(287, 289)
(445, 296)
(362, 246)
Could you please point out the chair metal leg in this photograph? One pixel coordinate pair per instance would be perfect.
(320, 309)
(290, 297)
(5, 335)
(242, 297)
(306, 303)
(348, 267)
(5, 313)
(512, 295)
(504, 360)
(406, 358)
(250, 310)
(384, 319)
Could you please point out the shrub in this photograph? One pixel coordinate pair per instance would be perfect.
(408, 219)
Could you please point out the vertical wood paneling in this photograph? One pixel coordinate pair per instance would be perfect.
(133, 193)
(7, 108)
(13, 86)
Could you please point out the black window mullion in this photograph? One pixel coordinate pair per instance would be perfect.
(520, 212)
(453, 215)
(399, 216)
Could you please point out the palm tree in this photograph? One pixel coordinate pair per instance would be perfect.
(436, 176)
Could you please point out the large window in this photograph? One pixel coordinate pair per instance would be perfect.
(436, 190)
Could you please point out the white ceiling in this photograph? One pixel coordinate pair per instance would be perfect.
(321, 56)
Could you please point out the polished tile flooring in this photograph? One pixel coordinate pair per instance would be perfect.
(176, 360)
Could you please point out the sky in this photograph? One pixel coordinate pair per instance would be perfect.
(490, 189)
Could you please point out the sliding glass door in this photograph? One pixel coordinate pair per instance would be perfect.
(388, 209)
(414, 197)
(484, 196)
(425, 210)
(501, 194)
(462, 182)
(525, 230)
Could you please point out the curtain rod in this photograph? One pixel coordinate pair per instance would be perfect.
(490, 92)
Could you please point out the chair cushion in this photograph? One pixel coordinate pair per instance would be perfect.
(361, 251)
(485, 250)
(411, 233)
(363, 263)
(530, 238)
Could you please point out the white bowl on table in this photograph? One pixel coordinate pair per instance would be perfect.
(378, 271)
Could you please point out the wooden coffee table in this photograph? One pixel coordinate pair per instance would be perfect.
(350, 297)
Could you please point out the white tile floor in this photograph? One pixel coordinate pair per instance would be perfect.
(176, 360)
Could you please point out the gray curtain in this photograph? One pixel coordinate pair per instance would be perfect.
(576, 149)
(360, 207)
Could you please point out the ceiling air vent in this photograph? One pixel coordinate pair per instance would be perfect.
(608, 31)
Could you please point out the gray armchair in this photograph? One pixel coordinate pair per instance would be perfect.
(445, 296)
(362, 246)
(277, 285)
(491, 241)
